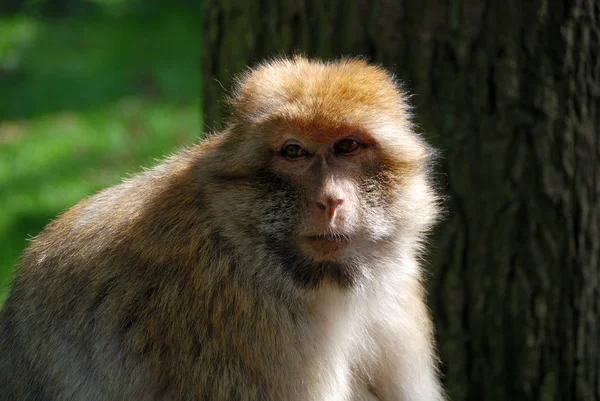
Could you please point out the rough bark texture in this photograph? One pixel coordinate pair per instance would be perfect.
(510, 91)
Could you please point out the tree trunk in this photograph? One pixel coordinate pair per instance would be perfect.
(510, 92)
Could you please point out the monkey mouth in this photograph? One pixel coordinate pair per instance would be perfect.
(329, 237)
(326, 246)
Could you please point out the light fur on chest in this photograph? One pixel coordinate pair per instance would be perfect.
(341, 343)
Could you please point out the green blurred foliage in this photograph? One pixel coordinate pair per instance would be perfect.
(86, 98)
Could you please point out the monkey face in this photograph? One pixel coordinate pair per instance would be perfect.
(336, 185)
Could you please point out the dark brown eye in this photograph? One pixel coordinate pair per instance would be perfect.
(293, 151)
(345, 146)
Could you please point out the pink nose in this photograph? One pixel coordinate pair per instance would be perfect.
(330, 206)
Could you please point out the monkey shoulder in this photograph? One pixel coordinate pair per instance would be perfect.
(142, 209)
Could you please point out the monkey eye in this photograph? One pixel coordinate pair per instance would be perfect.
(293, 151)
(345, 146)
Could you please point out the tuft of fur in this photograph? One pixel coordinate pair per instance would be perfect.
(183, 283)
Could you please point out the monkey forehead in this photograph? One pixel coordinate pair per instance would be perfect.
(299, 89)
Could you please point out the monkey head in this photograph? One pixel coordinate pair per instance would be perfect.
(326, 164)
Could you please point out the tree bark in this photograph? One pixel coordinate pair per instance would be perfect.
(510, 92)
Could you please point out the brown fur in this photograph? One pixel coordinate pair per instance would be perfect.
(187, 282)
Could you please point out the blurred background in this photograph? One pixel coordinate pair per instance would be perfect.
(90, 91)
(508, 91)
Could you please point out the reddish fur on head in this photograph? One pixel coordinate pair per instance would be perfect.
(324, 100)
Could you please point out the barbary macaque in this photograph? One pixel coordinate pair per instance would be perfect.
(275, 260)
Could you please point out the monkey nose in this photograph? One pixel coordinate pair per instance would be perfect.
(330, 206)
